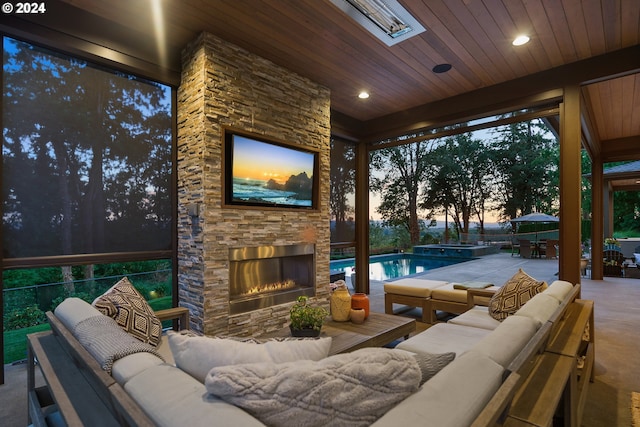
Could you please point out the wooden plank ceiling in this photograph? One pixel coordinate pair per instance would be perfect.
(317, 40)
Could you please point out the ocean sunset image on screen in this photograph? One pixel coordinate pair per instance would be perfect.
(271, 174)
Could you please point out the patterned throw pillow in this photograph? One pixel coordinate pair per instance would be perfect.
(514, 294)
(131, 311)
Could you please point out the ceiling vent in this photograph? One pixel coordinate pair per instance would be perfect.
(386, 19)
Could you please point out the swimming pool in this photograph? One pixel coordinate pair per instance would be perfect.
(383, 267)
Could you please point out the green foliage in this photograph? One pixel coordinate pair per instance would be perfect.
(30, 276)
(304, 316)
(526, 162)
(402, 172)
(342, 175)
(23, 317)
(460, 180)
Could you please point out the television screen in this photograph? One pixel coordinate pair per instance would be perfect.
(265, 173)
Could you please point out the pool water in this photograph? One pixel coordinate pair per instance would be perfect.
(384, 267)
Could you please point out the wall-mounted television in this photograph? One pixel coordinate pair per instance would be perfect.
(264, 172)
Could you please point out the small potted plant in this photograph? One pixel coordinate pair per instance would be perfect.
(306, 321)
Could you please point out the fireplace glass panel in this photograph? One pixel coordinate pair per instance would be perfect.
(260, 277)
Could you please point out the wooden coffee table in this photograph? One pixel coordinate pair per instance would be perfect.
(378, 330)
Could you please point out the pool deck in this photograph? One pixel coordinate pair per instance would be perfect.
(495, 268)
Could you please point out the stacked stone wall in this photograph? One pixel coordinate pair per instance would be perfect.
(222, 86)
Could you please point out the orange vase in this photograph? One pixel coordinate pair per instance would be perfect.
(360, 300)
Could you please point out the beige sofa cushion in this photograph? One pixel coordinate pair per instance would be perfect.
(128, 367)
(73, 310)
(453, 398)
(444, 338)
(539, 308)
(504, 343)
(448, 293)
(172, 398)
(559, 289)
(477, 317)
(413, 287)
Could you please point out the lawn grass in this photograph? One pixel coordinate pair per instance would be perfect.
(15, 342)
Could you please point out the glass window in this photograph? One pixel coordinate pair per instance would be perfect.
(86, 157)
(87, 181)
(29, 293)
(342, 199)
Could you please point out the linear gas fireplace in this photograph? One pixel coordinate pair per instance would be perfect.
(264, 276)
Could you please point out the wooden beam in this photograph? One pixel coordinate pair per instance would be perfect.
(621, 149)
(589, 129)
(535, 89)
(70, 29)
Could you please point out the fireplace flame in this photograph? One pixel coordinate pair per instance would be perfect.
(270, 287)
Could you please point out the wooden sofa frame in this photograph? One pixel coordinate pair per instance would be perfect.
(542, 378)
(77, 389)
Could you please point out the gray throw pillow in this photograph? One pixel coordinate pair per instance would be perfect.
(430, 363)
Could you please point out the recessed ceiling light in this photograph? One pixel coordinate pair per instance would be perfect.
(363, 95)
(441, 68)
(520, 40)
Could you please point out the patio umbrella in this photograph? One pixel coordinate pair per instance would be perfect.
(536, 217)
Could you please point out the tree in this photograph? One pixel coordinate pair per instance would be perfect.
(526, 164)
(403, 171)
(342, 184)
(86, 157)
(460, 180)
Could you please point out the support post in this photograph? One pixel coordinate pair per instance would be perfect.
(570, 185)
(362, 219)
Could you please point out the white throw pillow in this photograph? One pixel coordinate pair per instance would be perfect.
(197, 355)
(637, 257)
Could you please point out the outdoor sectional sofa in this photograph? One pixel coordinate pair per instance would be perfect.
(500, 373)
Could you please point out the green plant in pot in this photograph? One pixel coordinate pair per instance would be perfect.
(306, 320)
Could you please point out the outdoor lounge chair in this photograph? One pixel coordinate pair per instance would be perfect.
(613, 260)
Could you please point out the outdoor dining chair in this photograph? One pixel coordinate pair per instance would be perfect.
(525, 248)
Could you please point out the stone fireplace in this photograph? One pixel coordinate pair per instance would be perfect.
(265, 276)
(225, 86)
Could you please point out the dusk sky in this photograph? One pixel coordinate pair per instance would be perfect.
(259, 160)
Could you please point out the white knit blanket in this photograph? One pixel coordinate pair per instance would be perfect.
(352, 389)
(107, 342)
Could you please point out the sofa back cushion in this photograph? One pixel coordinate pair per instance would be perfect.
(73, 310)
(197, 355)
(540, 308)
(559, 289)
(505, 342)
